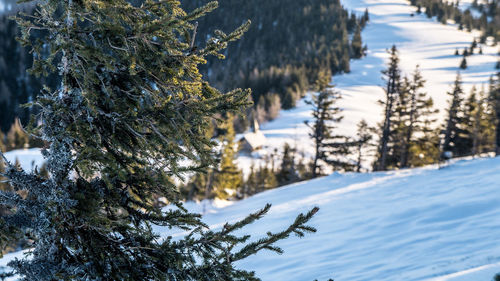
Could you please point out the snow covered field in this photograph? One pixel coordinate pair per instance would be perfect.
(419, 224)
(27, 158)
(416, 224)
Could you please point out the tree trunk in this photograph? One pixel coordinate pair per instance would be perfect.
(385, 135)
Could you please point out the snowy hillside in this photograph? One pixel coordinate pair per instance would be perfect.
(419, 224)
(420, 40)
(414, 224)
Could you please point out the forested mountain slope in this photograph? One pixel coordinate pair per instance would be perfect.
(288, 42)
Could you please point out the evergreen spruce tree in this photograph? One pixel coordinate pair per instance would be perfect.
(228, 177)
(473, 46)
(304, 168)
(195, 189)
(130, 110)
(393, 88)
(364, 135)
(357, 44)
(463, 63)
(326, 116)
(425, 149)
(479, 122)
(287, 172)
(454, 140)
(474, 116)
(250, 186)
(266, 179)
(418, 117)
(494, 99)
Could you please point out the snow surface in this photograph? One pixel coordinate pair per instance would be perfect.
(415, 224)
(27, 158)
(6, 259)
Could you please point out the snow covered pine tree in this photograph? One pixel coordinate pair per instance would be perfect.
(131, 106)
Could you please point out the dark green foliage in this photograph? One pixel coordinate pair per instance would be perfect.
(473, 46)
(287, 172)
(392, 76)
(358, 50)
(130, 110)
(494, 101)
(416, 124)
(454, 140)
(260, 179)
(496, 277)
(364, 136)
(471, 123)
(479, 122)
(225, 179)
(463, 63)
(288, 44)
(407, 135)
(227, 176)
(288, 82)
(16, 86)
(330, 148)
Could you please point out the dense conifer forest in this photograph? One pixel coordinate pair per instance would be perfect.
(278, 57)
(284, 49)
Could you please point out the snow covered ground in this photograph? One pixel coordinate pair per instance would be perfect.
(420, 40)
(416, 224)
(27, 158)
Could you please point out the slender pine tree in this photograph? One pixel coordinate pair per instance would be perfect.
(131, 110)
(454, 142)
(357, 44)
(494, 99)
(392, 90)
(418, 116)
(326, 115)
(463, 63)
(287, 172)
(364, 136)
(478, 122)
